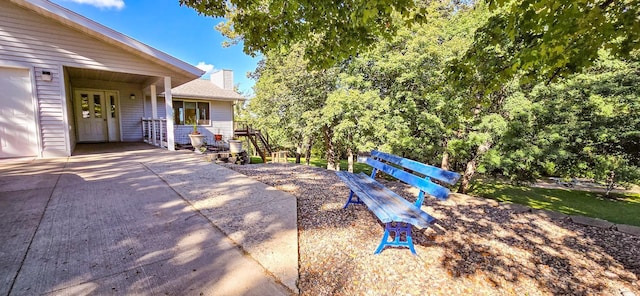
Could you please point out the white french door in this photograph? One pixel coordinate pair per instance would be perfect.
(96, 115)
(113, 116)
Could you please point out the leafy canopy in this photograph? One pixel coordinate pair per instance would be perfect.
(333, 30)
(542, 40)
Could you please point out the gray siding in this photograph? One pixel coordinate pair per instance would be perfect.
(131, 112)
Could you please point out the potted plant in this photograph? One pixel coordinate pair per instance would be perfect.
(235, 145)
(218, 136)
(197, 140)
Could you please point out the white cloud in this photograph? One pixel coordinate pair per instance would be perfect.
(208, 68)
(117, 4)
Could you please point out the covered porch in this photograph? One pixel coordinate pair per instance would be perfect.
(106, 106)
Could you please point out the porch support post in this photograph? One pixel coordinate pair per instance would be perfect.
(154, 113)
(168, 104)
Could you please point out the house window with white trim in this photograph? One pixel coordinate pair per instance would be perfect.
(186, 112)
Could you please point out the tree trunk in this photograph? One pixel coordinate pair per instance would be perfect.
(331, 149)
(611, 183)
(298, 152)
(350, 159)
(471, 167)
(307, 155)
(466, 177)
(445, 161)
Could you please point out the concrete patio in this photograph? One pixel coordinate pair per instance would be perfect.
(134, 219)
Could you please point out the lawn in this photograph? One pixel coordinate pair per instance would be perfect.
(618, 208)
(322, 163)
(621, 209)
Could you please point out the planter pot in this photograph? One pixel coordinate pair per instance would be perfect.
(218, 137)
(196, 140)
(235, 146)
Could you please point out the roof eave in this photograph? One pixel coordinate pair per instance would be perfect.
(211, 98)
(94, 29)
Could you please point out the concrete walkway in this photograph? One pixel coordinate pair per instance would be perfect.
(133, 219)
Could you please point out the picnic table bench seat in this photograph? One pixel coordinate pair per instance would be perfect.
(397, 213)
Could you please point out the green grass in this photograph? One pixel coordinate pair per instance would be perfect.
(322, 163)
(618, 208)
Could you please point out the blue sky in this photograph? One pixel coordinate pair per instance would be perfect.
(178, 31)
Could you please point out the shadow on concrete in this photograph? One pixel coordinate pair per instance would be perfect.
(259, 218)
(102, 223)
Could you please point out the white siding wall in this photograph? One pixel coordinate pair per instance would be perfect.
(52, 121)
(222, 117)
(70, 117)
(26, 37)
(161, 109)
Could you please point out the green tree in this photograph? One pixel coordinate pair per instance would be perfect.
(333, 30)
(289, 98)
(587, 125)
(356, 118)
(430, 120)
(542, 40)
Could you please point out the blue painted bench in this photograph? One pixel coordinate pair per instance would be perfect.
(396, 212)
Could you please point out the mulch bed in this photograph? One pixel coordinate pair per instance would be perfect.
(476, 248)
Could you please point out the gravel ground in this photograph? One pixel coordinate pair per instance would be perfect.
(476, 248)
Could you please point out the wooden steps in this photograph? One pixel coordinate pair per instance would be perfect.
(259, 140)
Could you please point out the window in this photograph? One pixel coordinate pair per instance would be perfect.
(112, 100)
(203, 113)
(186, 113)
(97, 106)
(85, 105)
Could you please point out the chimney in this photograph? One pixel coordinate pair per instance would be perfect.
(223, 79)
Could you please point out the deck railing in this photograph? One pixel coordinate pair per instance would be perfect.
(154, 131)
(243, 128)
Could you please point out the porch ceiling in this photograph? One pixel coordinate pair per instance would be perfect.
(102, 75)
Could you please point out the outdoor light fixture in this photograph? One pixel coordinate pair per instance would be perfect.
(46, 75)
(132, 96)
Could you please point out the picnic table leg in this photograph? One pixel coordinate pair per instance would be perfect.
(350, 200)
(397, 229)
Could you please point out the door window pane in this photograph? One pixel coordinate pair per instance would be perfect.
(190, 112)
(178, 112)
(84, 104)
(97, 107)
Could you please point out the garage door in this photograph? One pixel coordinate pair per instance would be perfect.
(17, 120)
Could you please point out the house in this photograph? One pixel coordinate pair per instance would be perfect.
(208, 102)
(65, 79)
